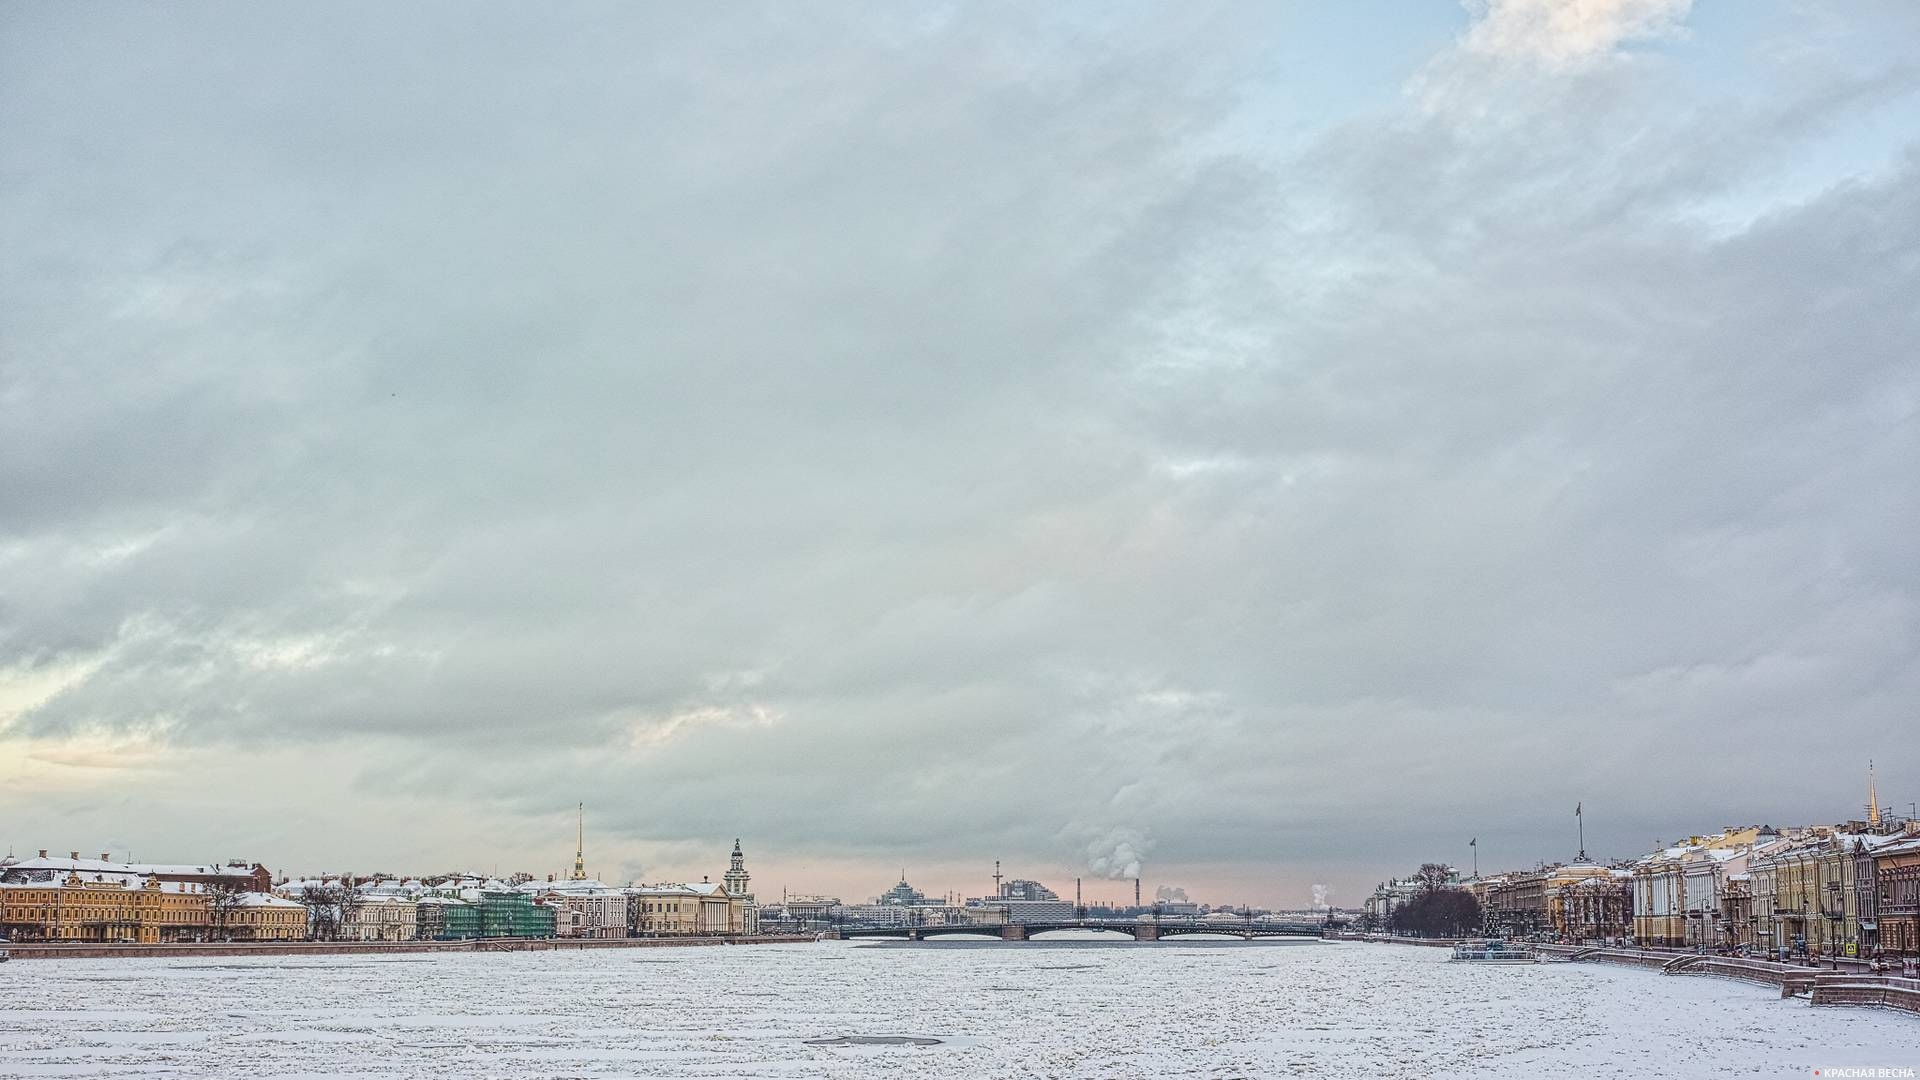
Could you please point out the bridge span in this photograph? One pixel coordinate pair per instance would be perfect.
(1140, 931)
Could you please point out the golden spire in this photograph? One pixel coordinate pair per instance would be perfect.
(1873, 797)
(580, 845)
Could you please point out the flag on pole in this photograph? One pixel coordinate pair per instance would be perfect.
(1577, 806)
(1475, 842)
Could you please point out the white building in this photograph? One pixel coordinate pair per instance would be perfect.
(1705, 874)
(583, 908)
(381, 918)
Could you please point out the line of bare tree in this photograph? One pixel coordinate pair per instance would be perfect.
(330, 906)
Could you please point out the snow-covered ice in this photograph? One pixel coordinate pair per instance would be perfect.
(1067, 1009)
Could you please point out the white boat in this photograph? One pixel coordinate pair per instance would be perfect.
(1494, 951)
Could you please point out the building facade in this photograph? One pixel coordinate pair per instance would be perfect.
(1813, 896)
(75, 908)
(1897, 897)
(260, 916)
(436, 918)
(684, 910)
(1680, 892)
(582, 908)
(1388, 897)
(380, 918)
(1594, 907)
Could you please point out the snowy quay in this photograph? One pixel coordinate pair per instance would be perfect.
(1851, 985)
(98, 951)
(1841, 983)
(1106, 1007)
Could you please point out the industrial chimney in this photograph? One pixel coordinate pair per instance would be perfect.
(1136, 892)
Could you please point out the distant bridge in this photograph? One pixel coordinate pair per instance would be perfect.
(1140, 931)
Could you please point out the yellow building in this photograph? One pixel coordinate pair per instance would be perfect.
(673, 910)
(1815, 905)
(104, 910)
(1590, 903)
(258, 916)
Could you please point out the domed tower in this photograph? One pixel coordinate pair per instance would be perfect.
(736, 877)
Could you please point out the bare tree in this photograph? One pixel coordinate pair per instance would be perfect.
(350, 899)
(323, 914)
(223, 897)
(1433, 876)
(330, 906)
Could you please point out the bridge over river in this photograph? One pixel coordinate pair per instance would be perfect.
(1139, 931)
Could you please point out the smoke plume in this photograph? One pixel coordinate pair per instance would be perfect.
(1118, 854)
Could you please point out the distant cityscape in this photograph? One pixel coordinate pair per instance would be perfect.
(1850, 889)
(71, 898)
(1845, 890)
(52, 898)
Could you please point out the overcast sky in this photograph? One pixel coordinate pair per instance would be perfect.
(1271, 444)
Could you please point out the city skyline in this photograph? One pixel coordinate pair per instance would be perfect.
(1244, 446)
(851, 882)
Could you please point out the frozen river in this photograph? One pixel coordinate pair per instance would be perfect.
(1043, 1009)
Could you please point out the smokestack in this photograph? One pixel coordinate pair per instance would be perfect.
(1136, 892)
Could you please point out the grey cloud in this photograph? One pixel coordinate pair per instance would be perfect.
(934, 427)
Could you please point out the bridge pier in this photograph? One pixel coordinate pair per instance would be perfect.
(916, 934)
(1146, 931)
(1013, 931)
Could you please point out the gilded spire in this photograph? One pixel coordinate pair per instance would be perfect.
(1873, 797)
(580, 844)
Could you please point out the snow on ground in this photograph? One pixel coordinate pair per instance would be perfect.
(1088, 1008)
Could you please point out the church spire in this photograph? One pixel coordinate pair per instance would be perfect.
(580, 843)
(1873, 797)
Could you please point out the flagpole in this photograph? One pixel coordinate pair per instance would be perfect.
(1582, 819)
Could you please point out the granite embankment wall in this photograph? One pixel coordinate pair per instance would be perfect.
(92, 951)
(1849, 987)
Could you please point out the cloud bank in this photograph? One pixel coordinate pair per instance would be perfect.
(947, 436)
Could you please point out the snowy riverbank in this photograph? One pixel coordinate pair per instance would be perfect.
(845, 1009)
